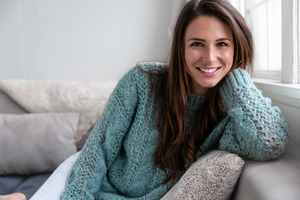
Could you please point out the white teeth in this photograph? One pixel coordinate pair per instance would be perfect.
(208, 70)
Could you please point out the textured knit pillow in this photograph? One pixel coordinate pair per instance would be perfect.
(212, 177)
(36, 143)
(86, 98)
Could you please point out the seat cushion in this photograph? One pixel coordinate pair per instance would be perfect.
(273, 180)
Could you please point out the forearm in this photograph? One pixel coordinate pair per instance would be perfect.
(258, 129)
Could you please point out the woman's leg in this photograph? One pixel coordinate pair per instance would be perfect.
(13, 196)
(55, 185)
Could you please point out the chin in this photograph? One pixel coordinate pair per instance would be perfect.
(209, 85)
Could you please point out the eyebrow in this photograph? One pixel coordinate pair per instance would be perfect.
(200, 39)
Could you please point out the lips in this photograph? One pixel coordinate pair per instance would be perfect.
(208, 70)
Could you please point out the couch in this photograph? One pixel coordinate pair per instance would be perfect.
(27, 184)
(278, 179)
(41, 130)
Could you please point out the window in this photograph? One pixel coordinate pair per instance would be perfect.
(275, 29)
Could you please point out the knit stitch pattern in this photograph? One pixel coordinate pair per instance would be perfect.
(256, 129)
(117, 161)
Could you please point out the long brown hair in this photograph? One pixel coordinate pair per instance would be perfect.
(179, 143)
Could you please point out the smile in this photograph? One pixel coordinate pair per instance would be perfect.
(206, 70)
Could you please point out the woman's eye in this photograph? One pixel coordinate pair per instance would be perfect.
(222, 44)
(196, 44)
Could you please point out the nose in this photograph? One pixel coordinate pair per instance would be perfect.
(209, 54)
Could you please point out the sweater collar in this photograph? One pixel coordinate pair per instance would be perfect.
(194, 101)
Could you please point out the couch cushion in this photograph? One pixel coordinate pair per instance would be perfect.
(25, 184)
(273, 180)
(36, 143)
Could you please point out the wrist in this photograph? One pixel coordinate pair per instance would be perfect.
(234, 83)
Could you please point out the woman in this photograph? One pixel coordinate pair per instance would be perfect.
(161, 118)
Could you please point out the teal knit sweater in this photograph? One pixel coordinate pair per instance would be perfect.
(117, 161)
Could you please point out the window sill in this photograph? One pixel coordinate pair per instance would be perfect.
(287, 94)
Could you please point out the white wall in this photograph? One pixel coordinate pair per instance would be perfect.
(81, 40)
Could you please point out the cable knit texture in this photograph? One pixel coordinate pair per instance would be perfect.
(117, 161)
(256, 129)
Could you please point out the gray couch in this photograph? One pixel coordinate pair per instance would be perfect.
(275, 180)
(27, 184)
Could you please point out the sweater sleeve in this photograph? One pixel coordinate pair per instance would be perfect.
(104, 143)
(256, 129)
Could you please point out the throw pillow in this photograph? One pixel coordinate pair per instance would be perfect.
(212, 177)
(86, 98)
(7, 105)
(36, 143)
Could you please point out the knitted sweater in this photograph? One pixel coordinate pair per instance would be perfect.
(117, 161)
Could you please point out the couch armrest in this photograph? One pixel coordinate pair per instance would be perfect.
(274, 180)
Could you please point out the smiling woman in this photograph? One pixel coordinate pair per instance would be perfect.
(209, 50)
(162, 117)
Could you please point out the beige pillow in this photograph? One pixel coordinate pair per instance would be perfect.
(212, 177)
(36, 143)
(86, 98)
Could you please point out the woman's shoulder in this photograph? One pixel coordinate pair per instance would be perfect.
(144, 75)
(145, 70)
(152, 67)
(148, 72)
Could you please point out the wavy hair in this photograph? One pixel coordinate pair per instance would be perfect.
(180, 143)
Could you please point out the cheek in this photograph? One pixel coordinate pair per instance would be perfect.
(187, 56)
(191, 56)
(228, 58)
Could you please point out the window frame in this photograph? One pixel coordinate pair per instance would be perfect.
(290, 41)
(290, 64)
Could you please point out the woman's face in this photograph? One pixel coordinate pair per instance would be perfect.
(209, 49)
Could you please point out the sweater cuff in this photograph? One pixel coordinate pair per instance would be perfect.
(234, 83)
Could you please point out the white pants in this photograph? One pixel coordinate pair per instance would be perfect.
(53, 188)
